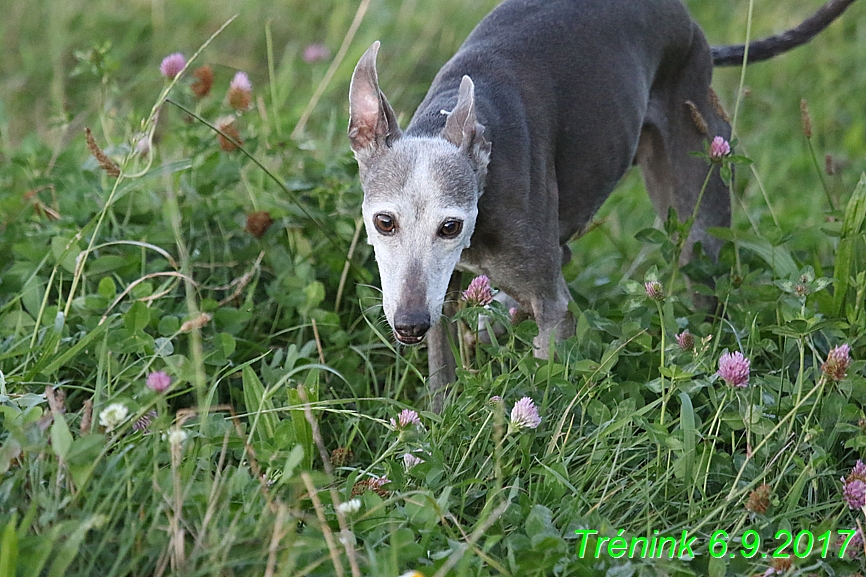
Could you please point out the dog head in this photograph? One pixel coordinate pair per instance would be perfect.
(420, 197)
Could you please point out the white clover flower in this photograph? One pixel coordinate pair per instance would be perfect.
(347, 538)
(176, 437)
(112, 415)
(349, 507)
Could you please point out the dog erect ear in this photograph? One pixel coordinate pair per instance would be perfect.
(372, 121)
(463, 130)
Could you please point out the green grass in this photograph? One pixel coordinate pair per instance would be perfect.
(279, 355)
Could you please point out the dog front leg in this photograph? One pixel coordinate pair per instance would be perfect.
(442, 368)
(555, 321)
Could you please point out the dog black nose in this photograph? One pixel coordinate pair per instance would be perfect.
(410, 328)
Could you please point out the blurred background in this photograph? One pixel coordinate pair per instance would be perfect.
(68, 63)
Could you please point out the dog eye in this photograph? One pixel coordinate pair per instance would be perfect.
(385, 223)
(450, 228)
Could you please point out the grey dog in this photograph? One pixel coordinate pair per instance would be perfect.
(521, 137)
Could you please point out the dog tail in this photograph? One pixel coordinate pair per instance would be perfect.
(767, 48)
